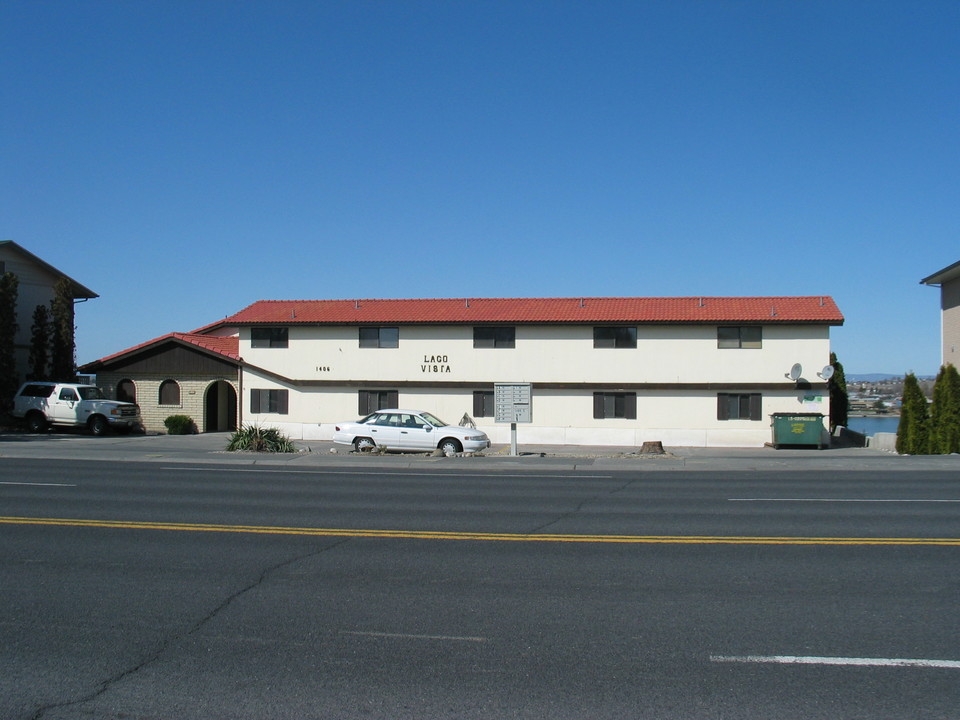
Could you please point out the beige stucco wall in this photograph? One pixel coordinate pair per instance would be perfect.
(680, 355)
(686, 354)
(950, 304)
(35, 288)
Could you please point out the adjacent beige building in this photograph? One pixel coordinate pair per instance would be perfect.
(948, 280)
(37, 280)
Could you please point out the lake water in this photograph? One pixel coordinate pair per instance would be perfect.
(873, 424)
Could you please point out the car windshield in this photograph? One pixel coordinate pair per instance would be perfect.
(433, 420)
(90, 393)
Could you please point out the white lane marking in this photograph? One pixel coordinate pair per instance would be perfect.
(849, 661)
(845, 500)
(300, 471)
(36, 484)
(406, 636)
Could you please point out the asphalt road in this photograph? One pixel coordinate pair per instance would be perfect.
(145, 590)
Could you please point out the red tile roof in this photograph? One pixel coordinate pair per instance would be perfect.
(228, 347)
(659, 310)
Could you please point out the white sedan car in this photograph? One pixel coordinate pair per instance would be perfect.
(408, 430)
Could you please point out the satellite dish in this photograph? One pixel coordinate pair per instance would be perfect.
(796, 371)
(827, 372)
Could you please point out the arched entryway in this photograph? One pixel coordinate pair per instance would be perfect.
(220, 408)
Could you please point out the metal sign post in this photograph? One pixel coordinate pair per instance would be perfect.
(512, 404)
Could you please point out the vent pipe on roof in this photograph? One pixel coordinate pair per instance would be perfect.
(773, 311)
(356, 304)
(582, 303)
(293, 314)
(466, 302)
(701, 303)
(822, 303)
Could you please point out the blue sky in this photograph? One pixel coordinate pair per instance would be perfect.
(186, 158)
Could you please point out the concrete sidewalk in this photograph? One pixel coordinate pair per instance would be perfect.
(211, 448)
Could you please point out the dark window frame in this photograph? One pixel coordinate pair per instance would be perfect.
(123, 395)
(379, 336)
(615, 406)
(740, 406)
(269, 401)
(164, 389)
(615, 336)
(484, 404)
(270, 337)
(370, 401)
(740, 337)
(495, 336)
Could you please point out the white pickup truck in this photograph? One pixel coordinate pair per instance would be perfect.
(42, 404)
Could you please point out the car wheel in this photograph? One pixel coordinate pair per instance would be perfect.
(450, 445)
(362, 444)
(36, 422)
(98, 425)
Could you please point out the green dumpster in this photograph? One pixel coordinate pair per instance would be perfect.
(797, 429)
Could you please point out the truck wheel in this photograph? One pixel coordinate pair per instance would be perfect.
(36, 422)
(98, 425)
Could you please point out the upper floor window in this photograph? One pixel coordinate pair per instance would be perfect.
(379, 337)
(269, 337)
(614, 337)
(494, 337)
(169, 393)
(739, 336)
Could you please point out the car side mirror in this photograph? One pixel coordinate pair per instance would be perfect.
(429, 428)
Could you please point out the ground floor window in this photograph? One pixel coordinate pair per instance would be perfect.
(373, 400)
(126, 391)
(483, 403)
(269, 401)
(169, 393)
(738, 406)
(614, 405)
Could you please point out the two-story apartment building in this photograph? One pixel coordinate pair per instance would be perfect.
(948, 280)
(690, 371)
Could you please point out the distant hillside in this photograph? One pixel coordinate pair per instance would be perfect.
(882, 377)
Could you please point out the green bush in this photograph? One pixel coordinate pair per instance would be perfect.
(257, 439)
(180, 425)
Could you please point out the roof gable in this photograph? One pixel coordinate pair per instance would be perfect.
(79, 291)
(223, 348)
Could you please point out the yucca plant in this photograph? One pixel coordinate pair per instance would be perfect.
(252, 438)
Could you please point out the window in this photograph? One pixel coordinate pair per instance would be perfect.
(38, 390)
(126, 391)
(615, 337)
(483, 403)
(379, 337)
(69, 395)
(740, 336)
(269, 337)
(373, 400)
(738, 406)
(614, 405)
(494, 337)
(169, 392)
(269, 401)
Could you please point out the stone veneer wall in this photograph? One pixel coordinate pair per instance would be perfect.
(192, 393)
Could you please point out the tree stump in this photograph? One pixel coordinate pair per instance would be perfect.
(652, 448)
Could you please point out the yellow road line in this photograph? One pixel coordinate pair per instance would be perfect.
(495, 537)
